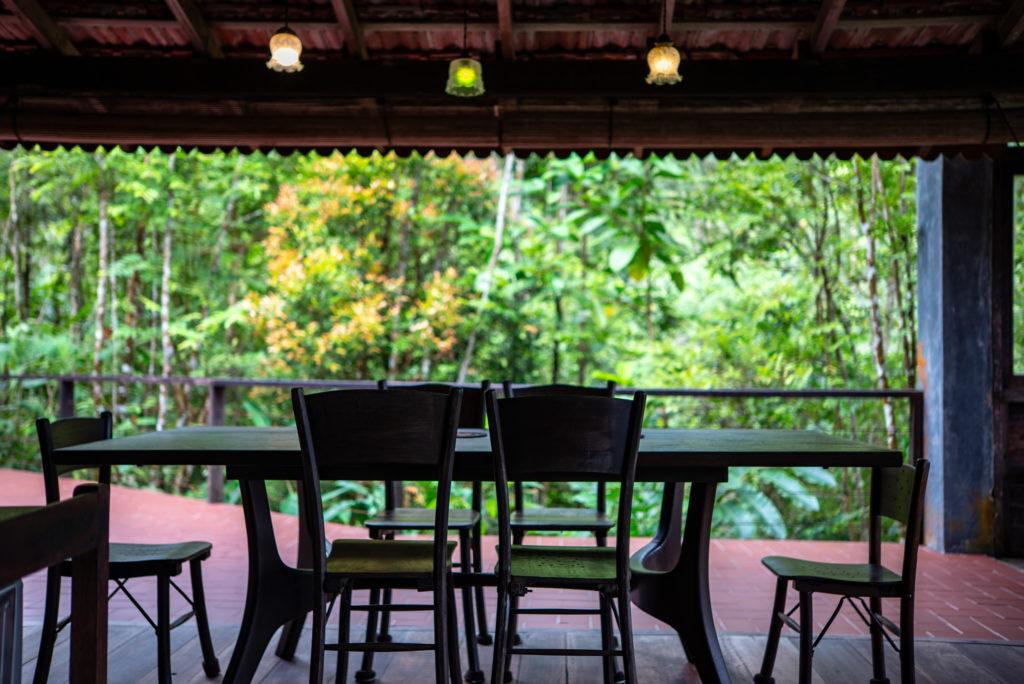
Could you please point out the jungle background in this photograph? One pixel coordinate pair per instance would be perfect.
(695, 273)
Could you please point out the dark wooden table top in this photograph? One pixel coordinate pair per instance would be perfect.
(665, 454)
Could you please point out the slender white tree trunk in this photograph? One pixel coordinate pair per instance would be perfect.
(492, 262)
(101, 283)
(165, 305)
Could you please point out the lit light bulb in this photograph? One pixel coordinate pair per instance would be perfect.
(285, 50)
(465, 78)
(663, 59)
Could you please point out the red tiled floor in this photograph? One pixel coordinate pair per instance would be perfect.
(959, 596)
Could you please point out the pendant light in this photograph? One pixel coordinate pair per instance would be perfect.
(465, 75)
(285, 49)
(663, 58)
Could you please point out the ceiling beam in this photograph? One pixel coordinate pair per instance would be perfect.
(866, 78)
(1011, 25)
(348, 22)
(191, 19)
(850, 24)
(43, 29)
(518, 130)
(508, 45)
(825, 24)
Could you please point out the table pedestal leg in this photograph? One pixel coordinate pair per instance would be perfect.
(276, 593)
(676, 589)
(291, 632)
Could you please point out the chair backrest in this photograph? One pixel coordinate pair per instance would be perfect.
(898, 494)
(372, 435)
(67, 432)
(472, 414)
(566, 437)
(558, 390)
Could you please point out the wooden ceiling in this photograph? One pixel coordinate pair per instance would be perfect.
(759, 77)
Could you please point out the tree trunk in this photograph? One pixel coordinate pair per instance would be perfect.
(75, 282)
(401, 294)
(165, 302)
(99, 331)
(492, 262)
(867, 224)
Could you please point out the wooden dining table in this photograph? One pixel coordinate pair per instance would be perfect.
(669, 575)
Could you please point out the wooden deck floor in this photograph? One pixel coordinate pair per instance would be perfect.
(838, 659)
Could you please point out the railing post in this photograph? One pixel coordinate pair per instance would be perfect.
(215, 473)
(916, 427)
(66, 398)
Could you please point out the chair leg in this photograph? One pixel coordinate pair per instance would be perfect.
(512, 636)
(344, 627)
(626, 634)
(210, 664)
(877, 645)
(607, 638)
(806, 636)
(474, 674)
(48, 637)
(907, 675)
(454, 662)
(482, 636)
(442, 625)
(319, 635)
(771, 647)
(385, 617)
(163, 629)
(501, 640)
(365, 672)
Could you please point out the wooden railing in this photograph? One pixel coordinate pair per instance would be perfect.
(217, 402)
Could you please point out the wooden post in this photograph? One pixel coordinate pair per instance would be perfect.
(215, 473)
(66, 398)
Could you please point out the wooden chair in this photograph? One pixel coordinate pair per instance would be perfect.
(898, 494)
(466, 523)
(543, 519)
(568, 437)
(367, 434)
(127, 561)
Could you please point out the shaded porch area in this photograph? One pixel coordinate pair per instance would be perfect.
(970, 608)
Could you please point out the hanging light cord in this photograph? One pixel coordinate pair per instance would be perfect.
(664, 17)
(465, 27)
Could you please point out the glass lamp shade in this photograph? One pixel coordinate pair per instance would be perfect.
(663, 59)
(285, 50)
(465, 78)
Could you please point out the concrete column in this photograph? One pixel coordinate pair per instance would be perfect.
(954, 270)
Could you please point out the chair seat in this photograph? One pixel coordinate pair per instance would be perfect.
(859, 578)
(421, 519)
(380, 557)
(563, 564)
(559, 519)
(142, 560)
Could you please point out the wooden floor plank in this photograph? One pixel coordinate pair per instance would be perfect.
(1001, 663)
(838, 659)
(660, 658)
(542, 669)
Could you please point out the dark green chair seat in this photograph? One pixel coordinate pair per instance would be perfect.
(421, 519)
(560, 520)
(145, 560)
(355, 557)
(562, 565)
(872, 578)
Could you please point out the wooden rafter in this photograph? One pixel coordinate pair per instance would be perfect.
(348, 22)
(191, 19)
(508, 46)
(851, 24)
(825, 24)
(46, 32)
(1012, 24)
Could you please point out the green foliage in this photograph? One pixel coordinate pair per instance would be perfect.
(655, 273)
